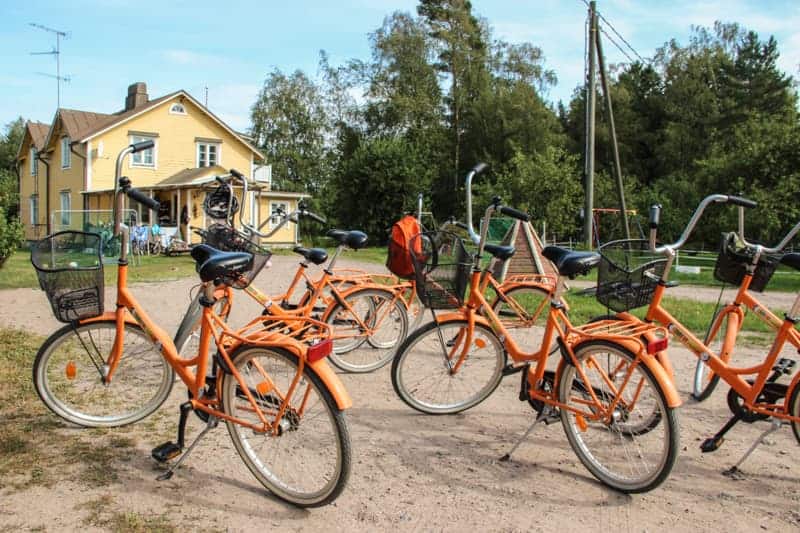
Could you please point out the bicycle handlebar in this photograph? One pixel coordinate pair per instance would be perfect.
(141, 146)
(655, 215)
(514, 213)
(477, 169)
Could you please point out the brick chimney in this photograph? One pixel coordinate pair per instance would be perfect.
(137, 95)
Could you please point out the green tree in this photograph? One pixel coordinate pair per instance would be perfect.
(11, 235)
(10, 140)
(290, 125)
(374, 186)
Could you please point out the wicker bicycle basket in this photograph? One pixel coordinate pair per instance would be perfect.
(628, 274)
(735, 257)
(69, 265)
(227, 239)
(441, 268)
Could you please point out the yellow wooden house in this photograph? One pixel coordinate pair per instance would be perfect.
(66, 169)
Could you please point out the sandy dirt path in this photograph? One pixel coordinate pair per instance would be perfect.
(414, 472)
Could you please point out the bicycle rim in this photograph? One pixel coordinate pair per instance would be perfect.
(615, 447)
(421, 373)
(68, 374)
(357, 350)
(307, 463)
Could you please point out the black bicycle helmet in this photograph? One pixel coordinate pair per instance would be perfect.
(216, 204)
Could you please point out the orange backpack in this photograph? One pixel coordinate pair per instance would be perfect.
(399, 260)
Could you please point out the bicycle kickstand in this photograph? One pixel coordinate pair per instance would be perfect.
(776, 424)
(211, 424)
(543, 416)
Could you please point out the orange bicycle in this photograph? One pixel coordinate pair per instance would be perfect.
(750, 399)
(367, 320)
(269, 381)
(615, 401)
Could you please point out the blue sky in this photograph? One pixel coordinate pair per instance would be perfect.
(230, 46)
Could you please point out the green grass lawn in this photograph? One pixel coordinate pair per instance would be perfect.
(18, 272)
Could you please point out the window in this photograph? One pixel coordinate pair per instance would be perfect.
(66, 155)
(145, 158)
(277, 210)
(34, 205)
(34, 162)
(177, 109)
(66, 204)
(207, 154)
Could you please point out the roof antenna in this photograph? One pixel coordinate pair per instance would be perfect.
(53, 52)
(206, 104)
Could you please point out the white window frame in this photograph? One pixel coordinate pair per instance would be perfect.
(33, 204)
(218, 148)
(66, 216)
(34, 162)
(273, 221)
(181, 111)
(137, 159)
(66, 154)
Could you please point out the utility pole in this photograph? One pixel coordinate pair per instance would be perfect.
(54, 52)
(588, 219)
(614, 144)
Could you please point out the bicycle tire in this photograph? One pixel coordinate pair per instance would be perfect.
(705, 380)
(376, 308)
(319, 434)
(533, 302)
(654, 452)
(67, 375)
(419, 361)
(794, 410)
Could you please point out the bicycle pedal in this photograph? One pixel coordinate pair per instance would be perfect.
(784, 365)
(711, 444)
(166, 451)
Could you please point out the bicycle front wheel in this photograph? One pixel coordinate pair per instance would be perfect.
(307, 461)
(705, 379)
(606, 410)
(70, 368)
(367, 334)
(424, 375)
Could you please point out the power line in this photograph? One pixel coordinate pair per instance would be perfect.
(618, 34)
(615, 44)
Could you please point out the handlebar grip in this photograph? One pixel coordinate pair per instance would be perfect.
(480, 167)
(316, 217)
(236, 173)
(514, 213)
(461, 225)
(744, 202)
(144, 145)
(655, 215)
(142, 198)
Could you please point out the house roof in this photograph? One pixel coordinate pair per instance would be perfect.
(38, 131)
(82, 126)
(190, 176)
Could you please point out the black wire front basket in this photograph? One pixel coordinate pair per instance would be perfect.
(628, 275)
(69, 265)
(735, 257)
(442, 267)
(228, 239)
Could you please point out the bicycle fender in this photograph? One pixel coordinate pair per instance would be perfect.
(331, 380)
(664, 380)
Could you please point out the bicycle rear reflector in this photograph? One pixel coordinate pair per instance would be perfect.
(657, 345)
(319, 351)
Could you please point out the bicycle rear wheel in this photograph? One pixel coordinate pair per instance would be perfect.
(612, 443)
(384, 315)
(794, 410)
(307, 462)
(421, 374)
(69, 368)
